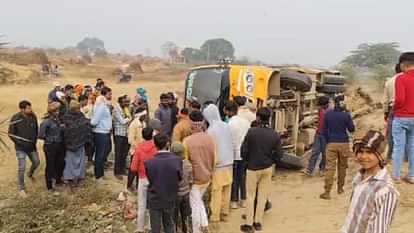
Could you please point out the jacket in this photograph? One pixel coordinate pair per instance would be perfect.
(143, 152)
(200, 150)
(221, 134)
(181, 130)
(164, 173)
(404, 97)
(26, 129)
(101, 120)
(337, 124)
(239, 127)
(51, 131)
(164, 115)
(261, 148)
(187, 179)
(77, 130)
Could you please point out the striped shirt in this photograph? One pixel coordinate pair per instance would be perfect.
(373, 204)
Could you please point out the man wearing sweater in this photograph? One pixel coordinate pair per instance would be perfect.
(403, 124)
(261, 148)
(164, 173)
(239, 127)
(102, 126)
(337, 124)
(200, 149)
(223, 174)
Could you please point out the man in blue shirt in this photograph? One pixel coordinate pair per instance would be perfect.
(337, 124)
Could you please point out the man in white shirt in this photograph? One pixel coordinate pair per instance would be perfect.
(244, 110)
(239, 127)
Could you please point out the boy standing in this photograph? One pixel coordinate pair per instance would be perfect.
(143, 152)
(183, 202)
(374, 197)
(23, 131)
(164, 173)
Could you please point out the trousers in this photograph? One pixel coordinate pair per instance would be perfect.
(260, 181)
(337, 158)
(21, 159)
(198, 210)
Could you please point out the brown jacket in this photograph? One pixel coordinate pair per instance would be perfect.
(201, 151)
(181, 130)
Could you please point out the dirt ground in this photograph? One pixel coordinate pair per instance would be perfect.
(296, 204)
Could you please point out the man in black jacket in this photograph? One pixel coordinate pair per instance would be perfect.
(164, 173)
(261, 148)
(23, 131)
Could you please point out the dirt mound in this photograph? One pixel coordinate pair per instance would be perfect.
(17, 74)
(6, 75)
(35, 56)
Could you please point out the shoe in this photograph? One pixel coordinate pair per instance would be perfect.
(247, 229)
(325, 196)
(234, 205)
(409, 180)
(224, 218)
(397, 180)
(257, 226)
(22, 194)
(243, 204)
(204, 229)
(243, 217)
(307, 172)
(321, 173)
(119, 177)
(215, 226)
(341, 190)
(268, 206)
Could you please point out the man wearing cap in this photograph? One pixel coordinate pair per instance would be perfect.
(403, 123)
(319, 143)
(374, 197)
(337, 124)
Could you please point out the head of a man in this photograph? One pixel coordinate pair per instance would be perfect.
(178, 149)
(406, 61)
(195, 106)
(83, 100)
(164, 100)
(147, 133)
(263, 115)
(240, 100)
(369, 150)
(124, 101)
(183, 114)
(107, 93)
(26, 107)
(53, 109)
(231, 108)
(197, 121)
(69, 90)
(323, 102)
(161, 141)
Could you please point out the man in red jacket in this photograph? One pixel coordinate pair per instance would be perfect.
(403, 124)
(143, 152)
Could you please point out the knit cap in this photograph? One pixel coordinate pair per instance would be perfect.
(373, 141)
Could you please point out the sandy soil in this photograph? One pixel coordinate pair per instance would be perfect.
(296, 204)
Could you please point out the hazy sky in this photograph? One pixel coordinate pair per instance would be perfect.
(318, 32)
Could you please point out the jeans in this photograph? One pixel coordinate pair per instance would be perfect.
(142, 203)
(102, 149)
(55, 163)
(121, 153)
(164, 217)
(389, 136)
(198, 210)
(89, 151)
(182, 212)
(403, 138)
(319, 147)
(238, 188)
(21, 158)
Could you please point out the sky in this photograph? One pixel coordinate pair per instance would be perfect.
(308, 32)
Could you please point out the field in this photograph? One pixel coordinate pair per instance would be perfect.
(296, 204)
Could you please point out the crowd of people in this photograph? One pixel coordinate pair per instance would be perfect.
(180, 155)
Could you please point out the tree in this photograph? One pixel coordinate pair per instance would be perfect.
(90, 45)
(100, 52)
(167, 47)
(192, 55)
(216, 49)
(371, 55)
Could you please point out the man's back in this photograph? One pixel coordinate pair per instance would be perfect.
(261, 147)
(164, 173)
(201, 153)
(404, 97)
(337, 124)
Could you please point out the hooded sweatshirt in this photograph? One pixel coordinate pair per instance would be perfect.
(221, 134)
(102, 118)
(144, 151)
